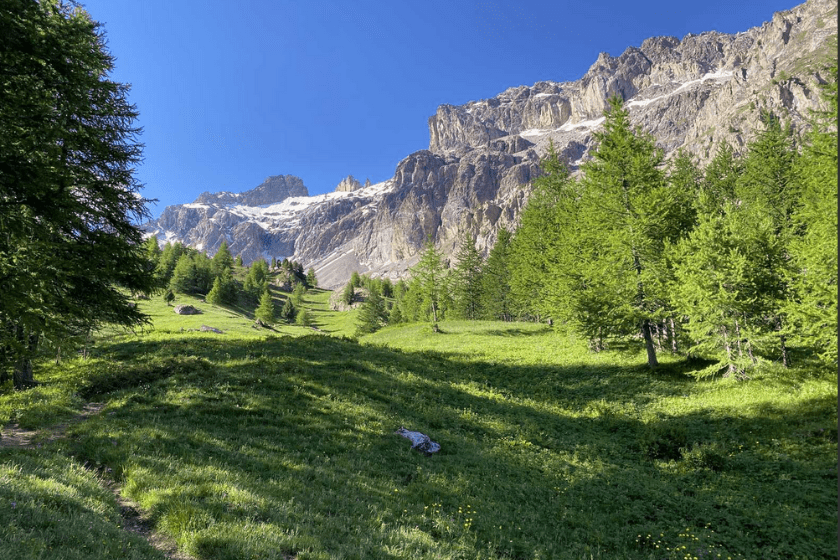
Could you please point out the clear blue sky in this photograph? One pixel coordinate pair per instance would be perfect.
(232, 92)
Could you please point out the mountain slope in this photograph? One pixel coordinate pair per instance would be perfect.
(690, 93)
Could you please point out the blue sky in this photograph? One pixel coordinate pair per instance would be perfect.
(232, 92)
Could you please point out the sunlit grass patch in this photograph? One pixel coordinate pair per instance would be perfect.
(280, 447)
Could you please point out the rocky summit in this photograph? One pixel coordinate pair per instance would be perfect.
(689, 93)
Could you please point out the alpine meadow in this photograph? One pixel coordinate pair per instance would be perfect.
(541, 339)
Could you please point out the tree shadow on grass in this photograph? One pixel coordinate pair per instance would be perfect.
(303, 429)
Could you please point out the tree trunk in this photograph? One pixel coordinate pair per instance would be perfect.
(674, 348)
(23, 377)
(782, 343)
(651, 351)
(738, 339)
(731, 367)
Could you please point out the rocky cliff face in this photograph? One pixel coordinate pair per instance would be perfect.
(689, 93)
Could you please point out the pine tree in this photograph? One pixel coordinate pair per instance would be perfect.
(222, 260)
(542, 262)
(466, 281)
(289, 312)
(192, 274)
(224, 290)
(372, 314)
(297, 294)
(624, 208)
(265, 312)
(813, 272)
(71, 251)
(496, 301)
(311, 279)
(767, 188)
(431, 281)
(348, 294)
(304, 318)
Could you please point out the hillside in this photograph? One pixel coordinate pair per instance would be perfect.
(252, 444)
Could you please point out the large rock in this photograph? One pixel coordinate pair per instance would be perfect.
(186, 310)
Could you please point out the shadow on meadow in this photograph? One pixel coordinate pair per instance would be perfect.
(297, 435)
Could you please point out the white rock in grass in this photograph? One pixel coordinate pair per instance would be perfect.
(419, 441)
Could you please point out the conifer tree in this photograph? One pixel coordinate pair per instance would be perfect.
(466, 280)
(496, 301)
(813, 272)
(624, 208)
(431, 281)
(266, 312)
(222, 260)
(348, 294)
(224, 290)
(543, 265)
(372, 314)
(297, 294)
(767, 188)
(311, 279)
(288, 312)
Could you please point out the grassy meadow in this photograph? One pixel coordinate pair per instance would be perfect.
(280, 444)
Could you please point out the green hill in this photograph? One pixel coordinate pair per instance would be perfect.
(280, 444)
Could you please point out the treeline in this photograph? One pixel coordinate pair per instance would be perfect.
(223, 280)
(736, 260)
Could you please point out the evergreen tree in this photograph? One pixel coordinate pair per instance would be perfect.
(71, 252)
(265, 312)
(297, 294)
(387, 288)
(348, 294)
(238, 261)
(168, 259)
(542, 261)
(222, 260)
(311, 279)
(431, 281)
(192, 274)
(767, 188)
(304, 318)
(224, 290)
(153, 250)
(467, 285)
(625, 206)
(813, 274)
(372, 314)
(169, 297)
(289, 312)
(496, 301)
(256, 281)
(355, 279)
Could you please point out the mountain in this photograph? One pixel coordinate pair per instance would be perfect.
(689, 93)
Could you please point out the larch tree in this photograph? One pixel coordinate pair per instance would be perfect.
(69, 201)
(624, 208)
(466, 279)
(813, 272)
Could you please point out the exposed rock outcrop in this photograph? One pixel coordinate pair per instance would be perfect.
(688, 93)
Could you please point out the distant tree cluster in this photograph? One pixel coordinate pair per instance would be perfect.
(180, 269)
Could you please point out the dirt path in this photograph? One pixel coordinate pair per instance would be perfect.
(133, 520)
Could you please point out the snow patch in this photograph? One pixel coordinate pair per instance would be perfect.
(716, 75)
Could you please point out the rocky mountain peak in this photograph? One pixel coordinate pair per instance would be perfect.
(690, 93)
(274, 189)
(349, 184)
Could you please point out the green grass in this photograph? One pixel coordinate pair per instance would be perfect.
(282, 447)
